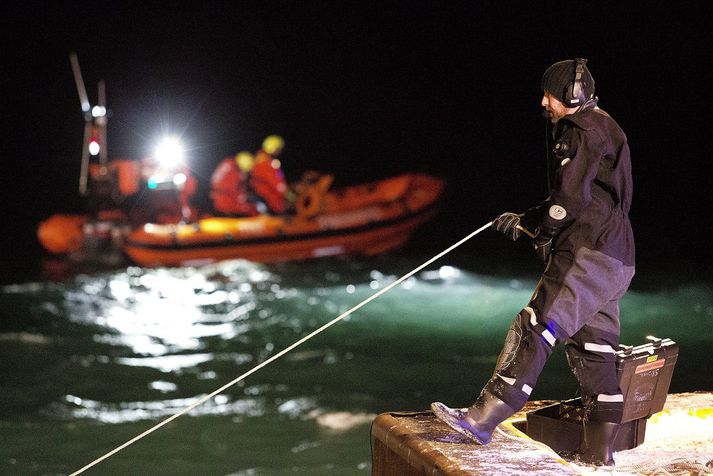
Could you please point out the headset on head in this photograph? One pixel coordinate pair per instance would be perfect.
(574, 93)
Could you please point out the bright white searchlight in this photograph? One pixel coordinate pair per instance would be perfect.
(170, 152)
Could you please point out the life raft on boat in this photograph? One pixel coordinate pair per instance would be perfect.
(362, 219)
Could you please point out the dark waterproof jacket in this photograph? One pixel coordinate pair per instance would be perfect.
(591, 193)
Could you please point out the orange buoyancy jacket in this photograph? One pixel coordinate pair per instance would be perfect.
(229, 190)
(268, 182)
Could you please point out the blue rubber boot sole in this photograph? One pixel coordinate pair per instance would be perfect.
(456, 419)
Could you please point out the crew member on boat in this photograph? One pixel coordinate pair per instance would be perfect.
(229, 186)
(267, 179)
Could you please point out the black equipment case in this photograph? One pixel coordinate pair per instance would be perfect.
(644, 377)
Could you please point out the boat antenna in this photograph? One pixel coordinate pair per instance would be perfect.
(284, 351)
(95, 122)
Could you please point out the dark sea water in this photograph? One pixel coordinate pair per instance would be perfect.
(90, 359)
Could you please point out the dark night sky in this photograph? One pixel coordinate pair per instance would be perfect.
(363, 90)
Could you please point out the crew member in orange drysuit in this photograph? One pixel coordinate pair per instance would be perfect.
(229, 186)
(267, 179)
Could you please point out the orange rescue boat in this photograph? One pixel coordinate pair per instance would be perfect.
(363, 219)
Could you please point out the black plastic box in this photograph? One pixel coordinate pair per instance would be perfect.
(645, 373)
(559, 426)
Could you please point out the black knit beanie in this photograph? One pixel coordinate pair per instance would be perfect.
(558, 78)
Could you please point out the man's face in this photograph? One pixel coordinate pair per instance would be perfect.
(555, 107)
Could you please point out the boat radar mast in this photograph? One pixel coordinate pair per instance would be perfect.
(95, 122)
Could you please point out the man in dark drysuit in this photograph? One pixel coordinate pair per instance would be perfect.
(583, 234)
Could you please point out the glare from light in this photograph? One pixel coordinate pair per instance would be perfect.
(166, 363)
(179, 179)
(170, 152)
(447, 272)
(94, 147)
(98, 111)
(163, 386)
(156, 409)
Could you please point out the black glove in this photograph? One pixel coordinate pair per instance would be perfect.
(543, 244)
(507, 225)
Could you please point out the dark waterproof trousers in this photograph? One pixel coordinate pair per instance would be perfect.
(576, 302)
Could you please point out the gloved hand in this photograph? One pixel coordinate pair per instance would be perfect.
(543, 244)
(507, 225)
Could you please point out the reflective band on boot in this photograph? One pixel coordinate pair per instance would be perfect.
(544, 332)
(527, 347)
(609, 408)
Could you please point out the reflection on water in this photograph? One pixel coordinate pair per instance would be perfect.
(133, 346)
(75, 407)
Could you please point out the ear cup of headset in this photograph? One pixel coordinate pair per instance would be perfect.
(574, 93)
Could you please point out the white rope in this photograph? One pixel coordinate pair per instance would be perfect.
(282, 352)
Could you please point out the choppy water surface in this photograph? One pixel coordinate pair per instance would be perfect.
(89, 362)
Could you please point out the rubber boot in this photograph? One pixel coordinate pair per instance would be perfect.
(597, 443)
(477, 422)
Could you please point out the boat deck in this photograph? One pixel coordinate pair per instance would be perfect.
(678, 439)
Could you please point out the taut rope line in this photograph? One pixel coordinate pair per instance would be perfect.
(282, 352)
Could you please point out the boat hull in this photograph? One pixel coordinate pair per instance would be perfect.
(373, 228)
(367, 240)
